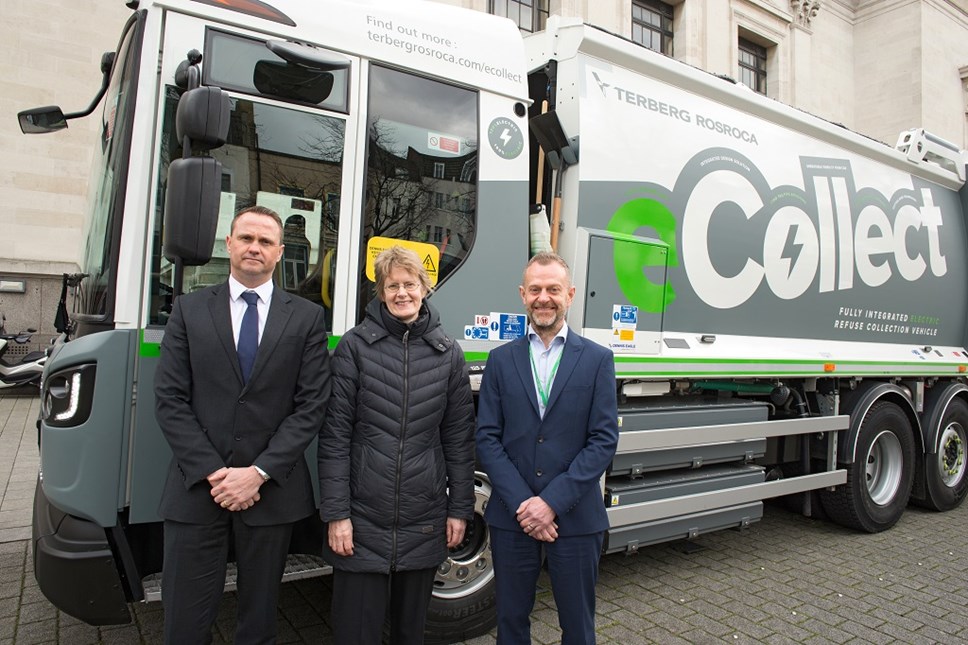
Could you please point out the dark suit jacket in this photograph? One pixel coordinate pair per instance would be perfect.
(210, 420)
(561, 457)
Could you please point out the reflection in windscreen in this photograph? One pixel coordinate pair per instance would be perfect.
(421, 177)
(288, 160)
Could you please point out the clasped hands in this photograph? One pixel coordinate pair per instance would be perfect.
(537, 519)
(235, 489)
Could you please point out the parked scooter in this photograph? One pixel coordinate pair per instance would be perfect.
(27, 370)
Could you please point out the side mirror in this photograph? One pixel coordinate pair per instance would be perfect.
(288, 81)
(191, 210)
(42, 119)
(194, 188)
(203, 116)
(51, 118)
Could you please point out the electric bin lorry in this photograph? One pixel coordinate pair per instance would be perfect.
(785, 299)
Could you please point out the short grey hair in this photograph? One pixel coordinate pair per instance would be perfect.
(544, 259)
(397, 257)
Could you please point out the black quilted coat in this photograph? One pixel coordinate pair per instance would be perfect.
(396, 455)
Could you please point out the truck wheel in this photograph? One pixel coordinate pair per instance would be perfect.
(879, 480)
(462, 606)
(945, 471)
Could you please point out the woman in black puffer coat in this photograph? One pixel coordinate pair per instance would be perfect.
(396, 458)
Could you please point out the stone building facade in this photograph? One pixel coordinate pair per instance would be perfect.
(876, 66)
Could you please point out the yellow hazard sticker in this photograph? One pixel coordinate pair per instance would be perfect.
(428, 253)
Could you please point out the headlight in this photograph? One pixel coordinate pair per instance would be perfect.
(67, 396)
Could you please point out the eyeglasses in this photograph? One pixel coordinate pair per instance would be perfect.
(396, 286)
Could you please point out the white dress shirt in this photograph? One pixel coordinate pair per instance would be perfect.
(238, 306)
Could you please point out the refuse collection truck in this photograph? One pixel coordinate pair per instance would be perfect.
(785, 299)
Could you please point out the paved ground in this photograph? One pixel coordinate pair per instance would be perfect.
(787, 579)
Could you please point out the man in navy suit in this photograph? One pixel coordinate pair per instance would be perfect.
(547, 430)
(241, 390)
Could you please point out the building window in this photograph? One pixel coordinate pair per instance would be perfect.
(652, 25)
(438, 170)
(530, 15)
(752, 65)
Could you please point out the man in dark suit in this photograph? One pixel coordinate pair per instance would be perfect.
(241, 390)
(546, 431)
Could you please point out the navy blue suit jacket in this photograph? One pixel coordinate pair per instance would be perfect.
(562, 457)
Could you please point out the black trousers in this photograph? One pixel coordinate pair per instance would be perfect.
(194, 578)
(361, 601)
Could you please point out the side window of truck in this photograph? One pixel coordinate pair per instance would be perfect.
(421, 172)
(99, 257)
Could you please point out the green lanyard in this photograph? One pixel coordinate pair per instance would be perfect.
(544, 388)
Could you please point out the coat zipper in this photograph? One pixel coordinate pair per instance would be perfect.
(403, 433)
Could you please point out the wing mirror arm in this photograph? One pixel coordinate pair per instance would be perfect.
(52, 118)
(107, 64)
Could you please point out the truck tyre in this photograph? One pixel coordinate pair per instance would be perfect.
(879, 479)
(462, 606)
(945, 471)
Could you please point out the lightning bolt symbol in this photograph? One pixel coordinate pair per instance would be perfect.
(792, 248)
(506, 136)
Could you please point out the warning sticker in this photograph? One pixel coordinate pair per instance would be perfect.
(508, 326)
(624, 316)
(473, 332)
(496, 326)
(428, 253)
(444, 143)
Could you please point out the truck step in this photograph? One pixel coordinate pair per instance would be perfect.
(298, 566)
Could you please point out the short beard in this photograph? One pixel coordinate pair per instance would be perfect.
(553, 326)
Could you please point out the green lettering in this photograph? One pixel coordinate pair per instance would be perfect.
(631, 257)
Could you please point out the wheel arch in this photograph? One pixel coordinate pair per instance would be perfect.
(936, 403)
(858, 403)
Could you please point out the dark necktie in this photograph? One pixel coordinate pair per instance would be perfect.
(249, 334)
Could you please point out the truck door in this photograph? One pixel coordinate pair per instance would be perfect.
(286, 150)
(621, 281)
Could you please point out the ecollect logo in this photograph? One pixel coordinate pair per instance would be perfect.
(823, 235)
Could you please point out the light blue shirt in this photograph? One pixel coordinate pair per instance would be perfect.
(544, 362)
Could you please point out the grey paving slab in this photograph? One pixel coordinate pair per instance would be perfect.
(787, 579)
(19, 462)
